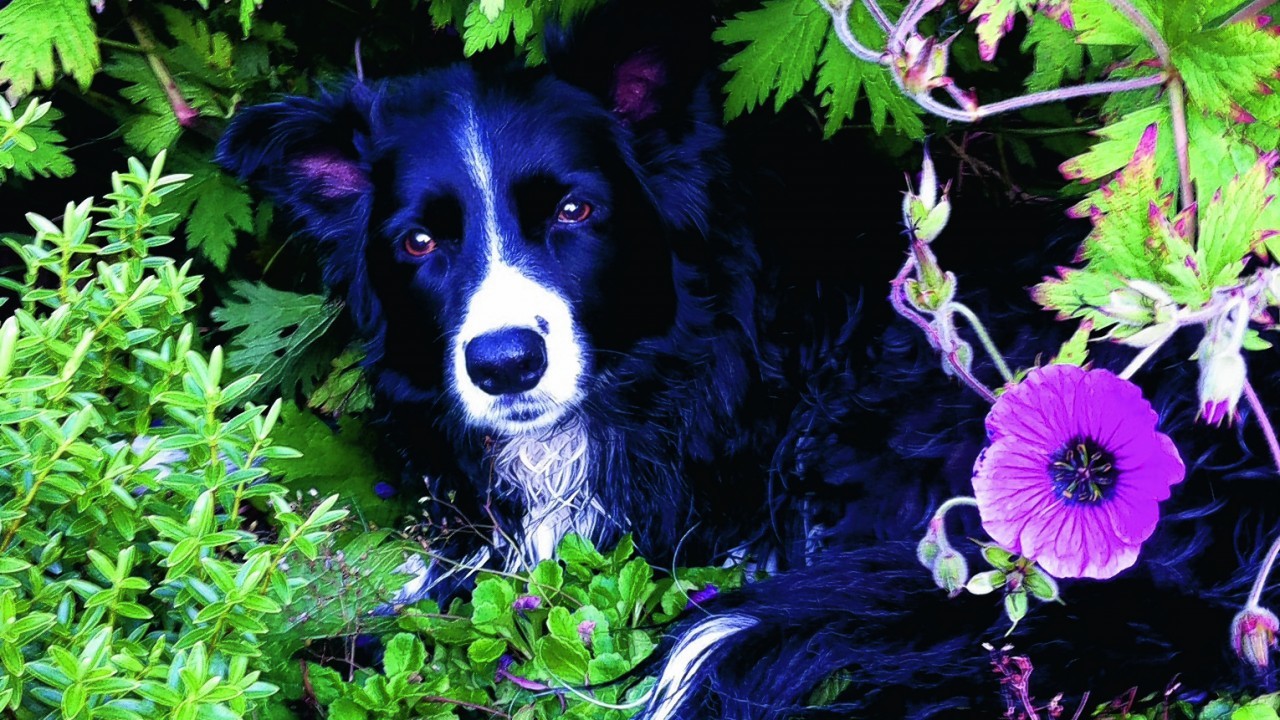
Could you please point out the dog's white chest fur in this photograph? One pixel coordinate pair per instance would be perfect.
(548, 473)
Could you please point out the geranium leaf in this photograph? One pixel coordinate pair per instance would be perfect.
(33, 32)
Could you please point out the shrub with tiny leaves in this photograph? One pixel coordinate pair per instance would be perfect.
(129, 584)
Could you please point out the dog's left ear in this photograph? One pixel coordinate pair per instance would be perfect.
(644, 58)
(309, 155)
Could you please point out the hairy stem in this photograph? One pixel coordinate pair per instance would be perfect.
(1248, 12)
(840, 21)
(1269, 432)
(1182, 146)
(1144, 26)
(897, 299)
(987, 344)
(955, 502)
(182, 110)
(881, 19)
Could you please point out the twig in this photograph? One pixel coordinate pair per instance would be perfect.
(912, 15)
(840, 21)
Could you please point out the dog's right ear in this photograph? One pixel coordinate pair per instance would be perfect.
(309, 155)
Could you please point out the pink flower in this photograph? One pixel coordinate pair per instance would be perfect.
(1075, 471)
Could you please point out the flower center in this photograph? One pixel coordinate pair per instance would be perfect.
(1083, 472)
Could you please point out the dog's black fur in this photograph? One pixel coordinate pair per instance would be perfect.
(729, 400)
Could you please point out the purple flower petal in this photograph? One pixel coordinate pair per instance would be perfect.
(1074, 472)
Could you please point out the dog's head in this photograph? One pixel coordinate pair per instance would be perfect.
(504, 238)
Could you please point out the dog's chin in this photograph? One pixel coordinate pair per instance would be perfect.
(523, 414)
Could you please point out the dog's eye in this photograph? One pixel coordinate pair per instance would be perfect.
(573, 211)
(419, 244)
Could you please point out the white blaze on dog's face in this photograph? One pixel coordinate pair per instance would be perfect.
(517, 359)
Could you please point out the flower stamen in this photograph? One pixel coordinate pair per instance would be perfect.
(1083, 471)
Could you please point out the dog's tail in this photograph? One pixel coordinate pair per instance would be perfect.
(868, 624)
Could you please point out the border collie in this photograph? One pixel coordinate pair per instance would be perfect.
(570, 328)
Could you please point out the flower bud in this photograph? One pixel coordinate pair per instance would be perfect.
(1222, 368)
(1253, 634)
(525, 603)
(931, 544)
(950, 571)
(586, 629)
(985, 583)
(922, 64)
(925, 213)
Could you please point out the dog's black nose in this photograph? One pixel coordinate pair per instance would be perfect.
(506, 361)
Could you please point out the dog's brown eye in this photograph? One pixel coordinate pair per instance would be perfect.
(572, 211)
(419, 244)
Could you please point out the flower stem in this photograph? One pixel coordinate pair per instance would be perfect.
(1269, 432)
(881, 19)
(1248, 12)
(1182, 146)
(955, 502)
(1142, 357)
(981, 331)
(1144, 26)
(1047, 96)
(948, 354)
(840, 21)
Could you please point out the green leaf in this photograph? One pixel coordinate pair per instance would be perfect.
(47, 159)
(565, 660)
(782, 41)
(843, 79)
(1056, 54)
(634, 585)
(994, 19)
(32, 32)
(1254, 712)
(276, 329)
(405, 654)
(486, 650)
(491, 604)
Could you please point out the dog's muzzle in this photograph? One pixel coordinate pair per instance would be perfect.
(506, 361)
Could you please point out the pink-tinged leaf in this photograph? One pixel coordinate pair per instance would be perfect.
(994, 20)
(1059, 10)
(1235, 223)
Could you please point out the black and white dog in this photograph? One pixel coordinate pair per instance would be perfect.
(570, 328)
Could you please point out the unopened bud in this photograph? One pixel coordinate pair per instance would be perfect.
(931, 544)
(1253, 634)
(950, 571)
(926, 212)
(1222, 368)
(985, 583)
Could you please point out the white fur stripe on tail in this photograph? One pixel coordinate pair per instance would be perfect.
(681, 670)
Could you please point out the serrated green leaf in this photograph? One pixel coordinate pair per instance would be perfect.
(844, 79)
(275, 329)
(1056, 54)
(994, 20)
(33, 32)
(782, 40)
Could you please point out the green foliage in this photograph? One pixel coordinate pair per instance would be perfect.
(582, 621)
(33, 32)
(129, 585)
(29, 146)
(785, 40)
(276, 329)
